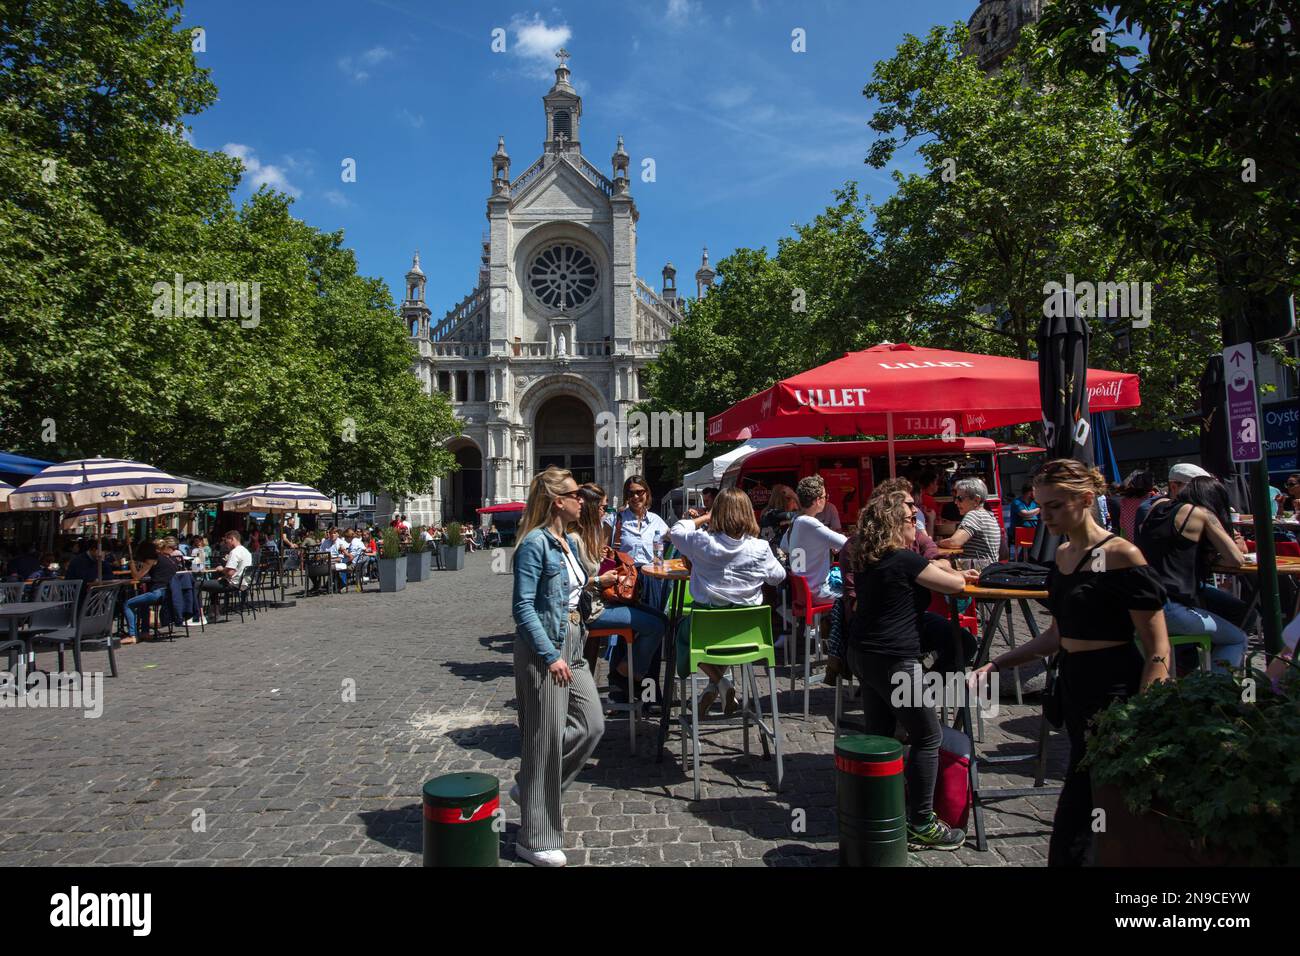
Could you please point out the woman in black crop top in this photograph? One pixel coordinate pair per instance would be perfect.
(1100, 591)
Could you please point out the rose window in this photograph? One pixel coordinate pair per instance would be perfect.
(563, 276)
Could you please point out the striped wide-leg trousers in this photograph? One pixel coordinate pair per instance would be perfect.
(560, 728)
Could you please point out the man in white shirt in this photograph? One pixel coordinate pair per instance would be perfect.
(809, 543)
(238, 559)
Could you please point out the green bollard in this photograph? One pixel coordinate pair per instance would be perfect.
(459, 817)
(869, 794)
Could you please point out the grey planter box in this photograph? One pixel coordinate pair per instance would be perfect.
(392, 573)
(453, 558)
(417, 566)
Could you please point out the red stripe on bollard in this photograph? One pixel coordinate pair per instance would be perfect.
(867, 768)
(454, 814)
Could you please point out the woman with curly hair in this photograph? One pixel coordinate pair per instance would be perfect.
(893, 585)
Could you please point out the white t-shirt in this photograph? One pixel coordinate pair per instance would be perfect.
(726, 570)
(816, 541)
(238, 558)
(576, 578)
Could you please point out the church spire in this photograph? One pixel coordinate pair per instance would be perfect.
(563, 110)
(704, 275)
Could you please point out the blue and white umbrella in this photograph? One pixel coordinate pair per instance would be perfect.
(279, 497)
(90, 482)
(96, 483)
(85, 517)
(5, 491)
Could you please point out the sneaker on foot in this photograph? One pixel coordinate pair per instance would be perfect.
(934, 834)
(729, 703)
(541, 857)
(706, 700)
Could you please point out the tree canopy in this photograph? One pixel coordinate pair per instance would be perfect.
(104, 201)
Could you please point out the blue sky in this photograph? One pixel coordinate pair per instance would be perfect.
(747, 135)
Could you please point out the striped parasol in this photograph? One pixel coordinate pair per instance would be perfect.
(5, 490)
(84, 517)
(96, 482)
(279, 497)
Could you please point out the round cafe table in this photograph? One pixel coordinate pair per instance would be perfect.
(674, 570)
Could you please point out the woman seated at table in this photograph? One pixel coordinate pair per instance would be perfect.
(977, 534)
(1180, 538)
(1101, 594)
(730, 564)
(633, 531)
(648, 624)
(782, 508)
(155, 572)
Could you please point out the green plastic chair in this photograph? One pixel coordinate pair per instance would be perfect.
(732, 637)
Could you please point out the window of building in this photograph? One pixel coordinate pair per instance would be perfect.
(562, 125)
(444, 383)
(462, 386)
(480, 386)
(563, 276)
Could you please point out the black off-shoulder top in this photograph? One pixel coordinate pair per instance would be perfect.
(1094, 605)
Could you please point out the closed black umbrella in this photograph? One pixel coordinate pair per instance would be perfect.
(1063, 386)
(1216, 456)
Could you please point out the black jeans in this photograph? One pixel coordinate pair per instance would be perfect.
(1089, 682)
(876, 674)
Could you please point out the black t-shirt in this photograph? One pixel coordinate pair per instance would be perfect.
(162, 573)
(890, 605)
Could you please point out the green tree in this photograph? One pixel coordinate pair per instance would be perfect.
(102, 198)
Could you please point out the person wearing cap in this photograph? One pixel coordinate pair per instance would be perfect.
(1179, 476)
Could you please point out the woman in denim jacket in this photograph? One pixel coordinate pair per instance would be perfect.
(560, 719)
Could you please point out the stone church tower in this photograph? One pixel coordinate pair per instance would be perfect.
(995, 29)
(556, 331)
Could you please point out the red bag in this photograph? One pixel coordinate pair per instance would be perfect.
(952, 796)
(623, 590)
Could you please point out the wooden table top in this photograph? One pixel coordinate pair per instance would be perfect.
(1286, 566)
(674, 569)
(1003, 594)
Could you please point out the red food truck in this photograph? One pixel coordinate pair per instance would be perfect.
(851, 469)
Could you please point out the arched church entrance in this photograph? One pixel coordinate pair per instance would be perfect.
(465, 486)
(565, 435)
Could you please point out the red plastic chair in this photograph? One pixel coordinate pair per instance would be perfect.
(1024, 541)
(807, 615)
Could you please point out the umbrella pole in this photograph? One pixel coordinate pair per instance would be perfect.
(99, 535)
(889, 426)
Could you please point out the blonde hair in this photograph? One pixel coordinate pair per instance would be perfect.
(732, 514)
(546, 487)
(882, 523)
(781, 495)
(1073, 476)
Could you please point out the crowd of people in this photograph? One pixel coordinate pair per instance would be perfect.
(1125, 577)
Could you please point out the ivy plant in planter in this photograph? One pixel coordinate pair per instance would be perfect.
(417, 561)
(453, 546)
(1199, 771)
(392, 562)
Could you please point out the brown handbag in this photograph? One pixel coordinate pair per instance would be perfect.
(623, 590)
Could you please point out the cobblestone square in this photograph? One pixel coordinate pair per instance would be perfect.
(237, 747)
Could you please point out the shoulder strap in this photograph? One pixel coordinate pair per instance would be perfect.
(617, 536)
(1089, 553)
(1190, 511)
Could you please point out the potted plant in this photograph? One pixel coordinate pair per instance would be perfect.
(392, 563)
(417, 563)
(453, 546)
(1200, 771)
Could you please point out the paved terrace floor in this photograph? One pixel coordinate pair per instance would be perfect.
(248, 724)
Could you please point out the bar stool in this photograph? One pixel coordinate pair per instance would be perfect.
(633, 706)
(807, 614)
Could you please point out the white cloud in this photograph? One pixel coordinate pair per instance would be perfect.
(681, 12)
(359, 66)
(261, 174)
(536, 41)
(336, 198)
(728, 98)
(413, 120)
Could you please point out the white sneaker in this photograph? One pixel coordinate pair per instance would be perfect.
(729, 703)
(541, 857)
(514, 794)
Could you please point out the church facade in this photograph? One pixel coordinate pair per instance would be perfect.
(557, 330)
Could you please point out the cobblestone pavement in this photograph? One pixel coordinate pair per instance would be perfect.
(237, 747)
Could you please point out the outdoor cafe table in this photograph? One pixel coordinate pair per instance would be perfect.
(1287, 567)
(21, 610)
(674, 570)
(1001, 599)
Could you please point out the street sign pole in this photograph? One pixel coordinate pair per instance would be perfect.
(1246, 441)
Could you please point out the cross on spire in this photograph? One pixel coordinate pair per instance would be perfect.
(562, 55)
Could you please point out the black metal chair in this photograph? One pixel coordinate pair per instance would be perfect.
(320, 570)
(55, 621)
(243, 593)
(92, 628)
(11, 592)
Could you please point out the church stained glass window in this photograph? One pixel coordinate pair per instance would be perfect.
(563, 276)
